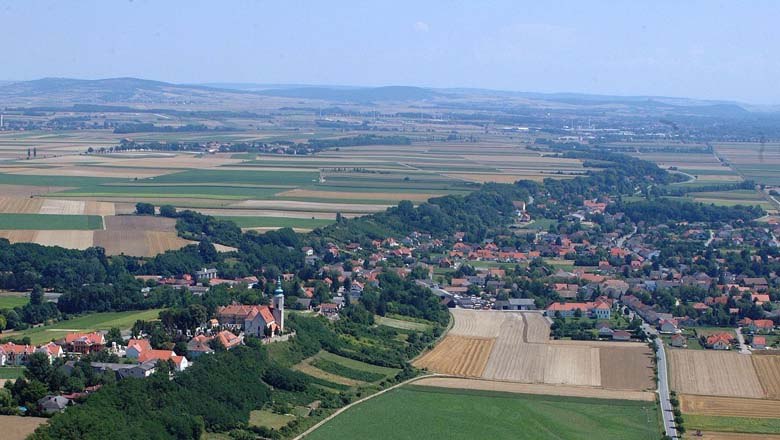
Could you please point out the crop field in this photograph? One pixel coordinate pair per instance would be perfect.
(402, 323)
(343, 371)
(753, 160)
(458, 355)
(439, 413)
(714, 373)
(50, 222)
(736, 436)
(748, 425)
(731, 198)
(768, 371)
(266, 191)
(729, 406)
(87, 323)
(139, 236)
(18, 427)
(9, 300)
(520, 351)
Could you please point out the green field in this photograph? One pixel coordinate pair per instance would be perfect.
(50, 221)
(402, 324)
(732, 424)
(86, 323)
(215, 191)
(414, 412)
(259, 177)
(356, 365)
(11, 300)
(11, 372)
(283, 222)
(269, 419)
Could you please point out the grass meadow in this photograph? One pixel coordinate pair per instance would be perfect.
(434, 413)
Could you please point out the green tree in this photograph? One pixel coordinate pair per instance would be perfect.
(36, 296)
(168, 211)
(144, 208)
(114, 335)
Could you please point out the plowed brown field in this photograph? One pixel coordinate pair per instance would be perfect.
(458, 355)
(729, 406)
(626, 368)
(19, 205)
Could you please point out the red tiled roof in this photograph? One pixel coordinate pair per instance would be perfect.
(93, 338)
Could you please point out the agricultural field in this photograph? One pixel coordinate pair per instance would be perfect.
(9, 300)
(515, 347)
(18, 427)
(257, 191)
(726, 374)
(753, 160)
(335, 369)
(86, 323)
(439, 413)
(403, 323)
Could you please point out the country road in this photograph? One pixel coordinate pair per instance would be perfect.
(663, 381)
(741, 340)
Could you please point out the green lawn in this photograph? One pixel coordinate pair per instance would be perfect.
(431, 413)
(50, 221)
(91, 322)
(11, 300)
(261, 222)
(269, 419)
(402, 324)
(732, 424)
(11, 372)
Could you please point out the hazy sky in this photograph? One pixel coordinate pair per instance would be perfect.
(704, 49)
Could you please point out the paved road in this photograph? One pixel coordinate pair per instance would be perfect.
(743, 349)
(663, 382)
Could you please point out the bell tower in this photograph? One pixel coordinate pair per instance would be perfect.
(278, 303)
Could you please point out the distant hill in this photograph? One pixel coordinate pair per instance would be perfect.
(360, 95)
(142, 93)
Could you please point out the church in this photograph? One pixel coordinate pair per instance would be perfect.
(255, 320)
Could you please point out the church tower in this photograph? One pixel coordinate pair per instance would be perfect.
(278, 304)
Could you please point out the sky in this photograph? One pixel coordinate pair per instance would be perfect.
(699, 49)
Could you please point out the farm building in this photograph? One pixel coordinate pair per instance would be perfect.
(515, 304)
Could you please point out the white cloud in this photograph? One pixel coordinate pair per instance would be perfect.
(421, 26)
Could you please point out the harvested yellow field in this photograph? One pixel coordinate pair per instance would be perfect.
(269, 213)
(108, 172)
(527, 388)
(481, 323)
(522, 352)
(729, 406)
(66, 239)
(357, 195)
(18, 427)
(714, 373)
(92, 207)
(19, 205)
(18, 236)
(768, 371)
(68, 207)
(458, 355)
(158, 242)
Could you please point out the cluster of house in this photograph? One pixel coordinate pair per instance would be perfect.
(600, 308)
